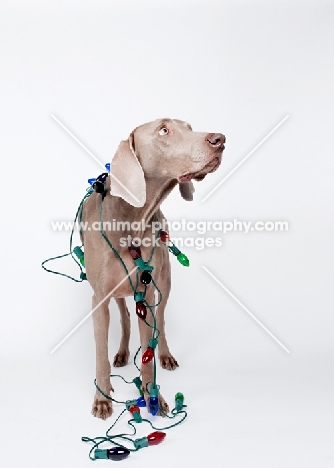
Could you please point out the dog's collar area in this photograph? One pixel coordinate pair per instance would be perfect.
(119, 452)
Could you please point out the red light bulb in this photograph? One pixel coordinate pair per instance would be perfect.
(133, 409)
(135, 251)
(148, 356)
(156, 437)
(164, 236)
(141, 310)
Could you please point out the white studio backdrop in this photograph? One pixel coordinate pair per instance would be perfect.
(239, 68)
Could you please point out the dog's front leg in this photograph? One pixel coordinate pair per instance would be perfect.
(167, 360)
(102, 407)
(147, 369)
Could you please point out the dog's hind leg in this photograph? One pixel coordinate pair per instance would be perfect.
(122, 356)
(102, 406)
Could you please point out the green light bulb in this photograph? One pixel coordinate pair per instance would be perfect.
(183, 259)
(138, 383)
(80, 255)
(179, 399)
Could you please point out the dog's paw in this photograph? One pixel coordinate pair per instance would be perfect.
(121, 359)
(168, 362)
(102, 408)
(163, 405)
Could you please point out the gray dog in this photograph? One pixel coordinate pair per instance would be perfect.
(156, 157)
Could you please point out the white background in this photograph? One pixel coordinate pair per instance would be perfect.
(102, 68)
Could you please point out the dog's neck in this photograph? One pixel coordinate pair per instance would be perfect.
(157, 189)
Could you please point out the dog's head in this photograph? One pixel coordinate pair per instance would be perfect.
(166, 149)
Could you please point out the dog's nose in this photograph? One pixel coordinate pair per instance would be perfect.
(216, 139)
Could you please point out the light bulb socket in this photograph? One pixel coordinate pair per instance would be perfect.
(154, 391)
(140, 443)
(175, 251)
(152, 343)
(139, 296)
(130, 403)
(100, 454)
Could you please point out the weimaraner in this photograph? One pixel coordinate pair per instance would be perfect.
(155, 158)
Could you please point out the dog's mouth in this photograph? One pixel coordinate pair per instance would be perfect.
(212, 166)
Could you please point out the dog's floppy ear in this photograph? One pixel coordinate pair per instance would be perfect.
(187, 189)
(127, 176)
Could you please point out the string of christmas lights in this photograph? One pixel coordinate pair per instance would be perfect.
(120, 451)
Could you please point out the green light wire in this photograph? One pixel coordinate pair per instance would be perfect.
(78, 213)
(155, 331)
(155, 334)
(127, 437)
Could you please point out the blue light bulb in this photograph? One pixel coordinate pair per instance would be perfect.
(154, 400)
(154, 405)
(141, 402)
(102, 177)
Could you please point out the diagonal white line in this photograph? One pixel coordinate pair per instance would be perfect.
(245, 158)
(92, 311)
(245, 309)
(92, 155)
(78, 141)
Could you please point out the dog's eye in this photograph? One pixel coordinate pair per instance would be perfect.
(163, 131)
